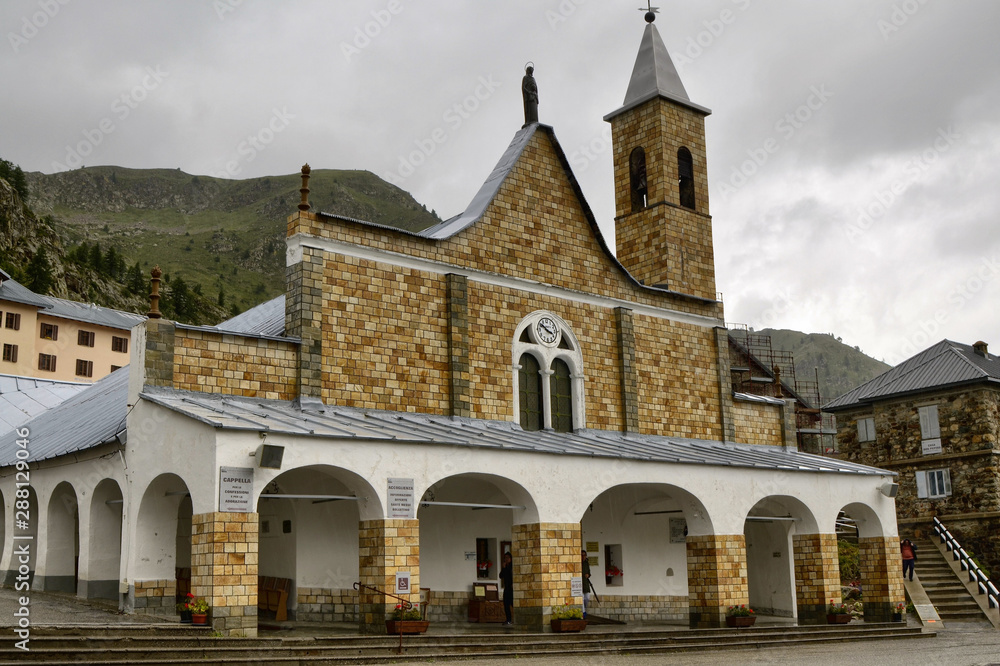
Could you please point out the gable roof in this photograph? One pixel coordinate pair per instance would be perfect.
(334, 422)
(93, 416)
(488, 191)
(268, 318)
(945, 365)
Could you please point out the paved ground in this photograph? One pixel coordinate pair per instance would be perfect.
(960, 644)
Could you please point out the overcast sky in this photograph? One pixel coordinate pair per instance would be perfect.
(854, 145)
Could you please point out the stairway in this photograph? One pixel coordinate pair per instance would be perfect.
(945, 590)
(174, 644)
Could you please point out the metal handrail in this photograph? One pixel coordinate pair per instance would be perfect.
(407, 605)
(965, 563)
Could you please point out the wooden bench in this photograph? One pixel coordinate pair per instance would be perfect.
(272, 595)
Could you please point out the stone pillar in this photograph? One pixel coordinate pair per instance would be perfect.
(458, 345)
(224, 569)
(629, 372)
(881, 577)
(385, 548)
(717, 577)
(159, 352)
(725, 378)
(304, 318)
(546, 557)
(817, 575)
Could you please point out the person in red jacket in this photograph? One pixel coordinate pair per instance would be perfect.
(909, 552)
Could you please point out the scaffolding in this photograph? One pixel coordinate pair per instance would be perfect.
(759, 369)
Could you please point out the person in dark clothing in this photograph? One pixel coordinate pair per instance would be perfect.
(507, 582)
(586, 582)
(909, 553)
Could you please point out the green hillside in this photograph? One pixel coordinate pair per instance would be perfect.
(217, 235)
(840, 367)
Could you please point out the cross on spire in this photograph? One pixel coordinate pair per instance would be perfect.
(651, 11)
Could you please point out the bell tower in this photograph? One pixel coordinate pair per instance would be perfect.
(663, 231)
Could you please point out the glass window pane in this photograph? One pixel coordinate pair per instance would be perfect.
(530, 393)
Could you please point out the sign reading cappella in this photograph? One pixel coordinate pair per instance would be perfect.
(400, 495)
(236, 489)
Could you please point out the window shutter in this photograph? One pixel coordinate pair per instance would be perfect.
(947, 481)
(921, 484)
(929, 427)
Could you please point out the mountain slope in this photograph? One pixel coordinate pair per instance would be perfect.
(839, 366)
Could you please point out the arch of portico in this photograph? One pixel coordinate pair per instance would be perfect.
(105, 529)
(880, 562)
(62, 544)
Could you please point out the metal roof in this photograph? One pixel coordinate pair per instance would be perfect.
(12, 290)
(90, 313)
(268, 318)
(23, 398)
(942, 366)
(91, 417)
(654, 75)
(344, 423)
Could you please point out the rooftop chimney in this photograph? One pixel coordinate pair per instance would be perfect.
(981, 349)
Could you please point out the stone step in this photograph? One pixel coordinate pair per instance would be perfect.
(152, 650)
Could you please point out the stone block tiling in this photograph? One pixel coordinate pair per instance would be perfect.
(224, 550)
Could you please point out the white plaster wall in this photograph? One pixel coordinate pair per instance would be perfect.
(62, 531)
(770, 569)
(328, 545)
(103, 539)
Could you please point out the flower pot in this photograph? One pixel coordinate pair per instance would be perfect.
(740, 620)
(406, 626)
(199, 618)
(185, 617)
(562, 626)
(838, 618)
(897, 617)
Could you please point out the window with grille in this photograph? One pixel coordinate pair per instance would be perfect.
(10, 353)
(13, 321)
(549, 377)
(933, 484)
(50, 332)
(119, 344)
(85, 338)
(84, 368)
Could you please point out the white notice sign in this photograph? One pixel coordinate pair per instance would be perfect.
(931, 446)
(576, 586)
(401, 499)
(402, 582)
(236, 489)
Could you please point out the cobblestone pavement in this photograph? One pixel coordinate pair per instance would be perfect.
(960, 644)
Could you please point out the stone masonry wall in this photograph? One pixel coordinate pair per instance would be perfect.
(234, 365)
(881, 577)
(817, 575)
(224, 569)
(717, 577)
(758, 423)
(320, 604)
(156, 597)
(386, 547)
(546, 558)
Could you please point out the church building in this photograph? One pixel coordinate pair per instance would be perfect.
(417, 405)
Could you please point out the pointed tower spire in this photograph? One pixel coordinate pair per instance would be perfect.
(654, 75)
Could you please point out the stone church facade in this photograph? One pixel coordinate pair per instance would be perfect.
(536, 394)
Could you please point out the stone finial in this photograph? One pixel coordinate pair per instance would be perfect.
(304, 190)
(777, 382)
(529, 93)
(154, 296)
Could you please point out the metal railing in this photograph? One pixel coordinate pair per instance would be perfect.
(983, 583)
(404, 605)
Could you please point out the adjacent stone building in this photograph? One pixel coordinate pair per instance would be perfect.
(418, 404)
(934, 419)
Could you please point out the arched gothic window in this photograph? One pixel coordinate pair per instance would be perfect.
(548, 375)
(530, 392)
(637, 179)
(685, 178)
